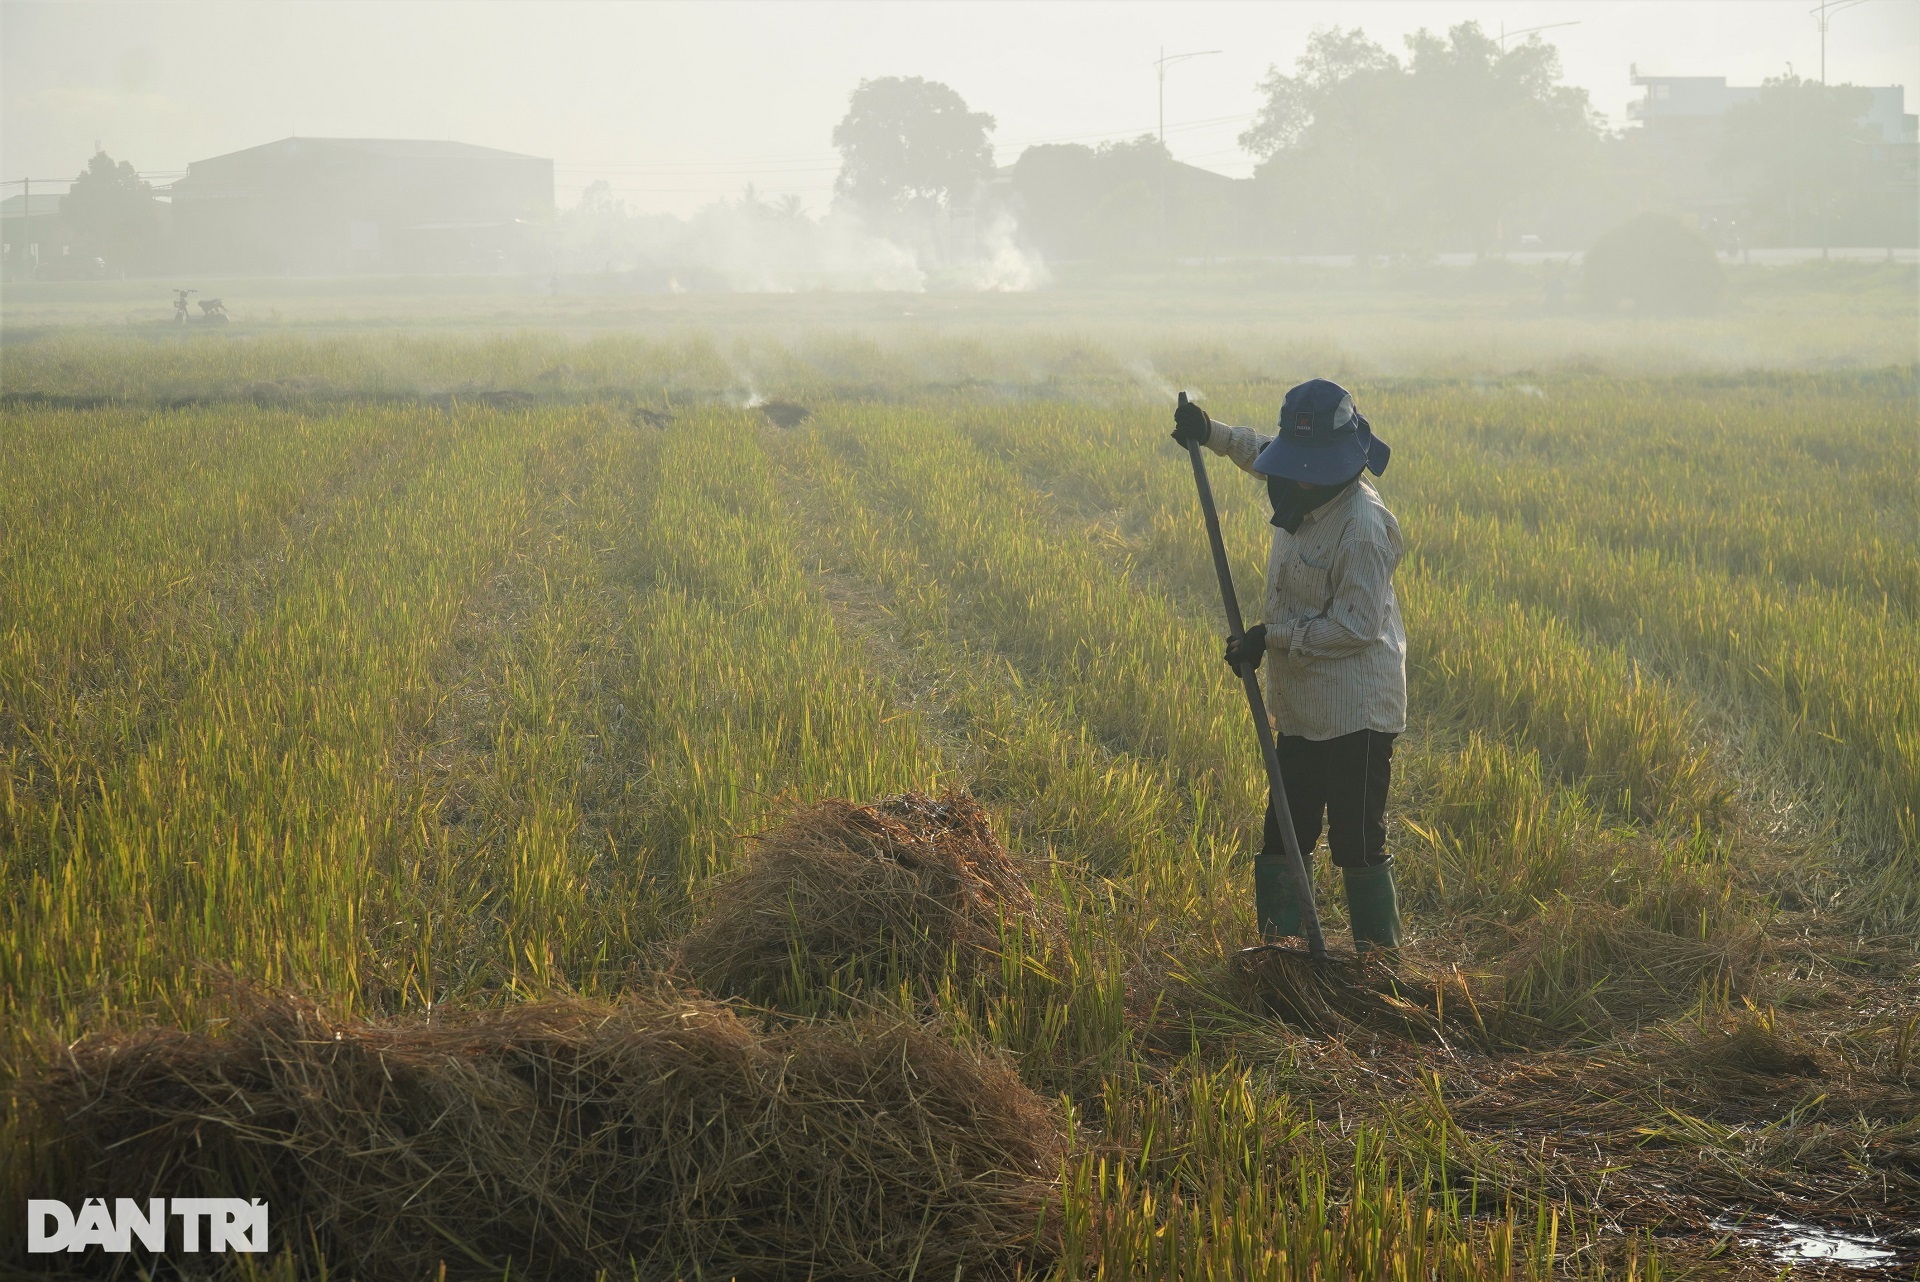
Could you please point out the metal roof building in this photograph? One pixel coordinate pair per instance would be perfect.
(318, 205)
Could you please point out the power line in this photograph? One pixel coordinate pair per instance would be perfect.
(1506, 35)
(1135, 133)
(780, 168)
(815, 163)
(643, 170)
(802, 165)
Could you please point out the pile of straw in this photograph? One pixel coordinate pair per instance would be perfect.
(843, 898)
(1596, 966)
(659, 1139)
(1342, 994)
(1751, 1047)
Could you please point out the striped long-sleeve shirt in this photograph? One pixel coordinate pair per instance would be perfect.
(1337, 653)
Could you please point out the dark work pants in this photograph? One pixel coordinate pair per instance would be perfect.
(1345, 779)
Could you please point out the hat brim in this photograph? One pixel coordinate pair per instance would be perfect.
(1332, 464)
(1378, 452)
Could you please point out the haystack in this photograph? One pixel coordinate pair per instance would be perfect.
(658, 1139)
(843, 898)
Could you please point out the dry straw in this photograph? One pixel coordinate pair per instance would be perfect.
(661, 1138)
(844, 898)
(1339, 995)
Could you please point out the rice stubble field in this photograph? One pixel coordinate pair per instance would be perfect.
(443, 701)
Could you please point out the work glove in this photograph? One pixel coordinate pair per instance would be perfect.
(1247, 649)
(1191, 426)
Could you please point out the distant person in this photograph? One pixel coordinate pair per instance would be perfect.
(1337, 680)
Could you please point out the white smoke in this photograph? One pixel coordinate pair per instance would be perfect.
(745, 248)
(1148, 377)
(1005, 265)
(756, 245)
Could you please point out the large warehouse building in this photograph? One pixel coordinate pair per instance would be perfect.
(310, 205)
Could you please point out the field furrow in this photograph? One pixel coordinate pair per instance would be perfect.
(1113, 650)
(111, 552)
(244, 828)
(1020, 740)
(1475, 660)
(749, 697)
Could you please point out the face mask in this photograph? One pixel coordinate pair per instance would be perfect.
(1292, 503)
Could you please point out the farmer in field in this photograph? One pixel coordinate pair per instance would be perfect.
(1335, 652)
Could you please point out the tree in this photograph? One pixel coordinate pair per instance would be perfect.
(1332, 57)
(1084, 202)
(1370, 152)
(112, 213)
(1804, 157)
(593, 235)
(908, 144)
(788, 208)
(598, 201)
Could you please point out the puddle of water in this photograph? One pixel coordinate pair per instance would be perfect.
(1792, 1243)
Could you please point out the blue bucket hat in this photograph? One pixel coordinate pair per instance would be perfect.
(1323, 439)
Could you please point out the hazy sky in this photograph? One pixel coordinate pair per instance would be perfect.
(679, 103)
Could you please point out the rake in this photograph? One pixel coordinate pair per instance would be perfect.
(1283, 815)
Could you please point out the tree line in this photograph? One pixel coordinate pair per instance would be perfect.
(1457, 144)
(1460, 142)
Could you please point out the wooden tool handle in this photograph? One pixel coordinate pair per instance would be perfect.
(1276, 787)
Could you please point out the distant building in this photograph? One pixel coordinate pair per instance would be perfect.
(361, 205)
(1128, 200)
(31, 231)
(14, 210)
(1679, 165)
(1687, 102)
(1674, 99)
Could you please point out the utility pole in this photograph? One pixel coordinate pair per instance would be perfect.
(1160, 65)
(26, 219)
(1820, 12)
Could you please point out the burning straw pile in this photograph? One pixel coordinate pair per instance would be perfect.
(664, 1138)
(844, 898)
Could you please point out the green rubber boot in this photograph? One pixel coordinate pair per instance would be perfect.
(1373, 905)
(1273, 903)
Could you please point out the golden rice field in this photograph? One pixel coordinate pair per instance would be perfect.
(416, 675)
